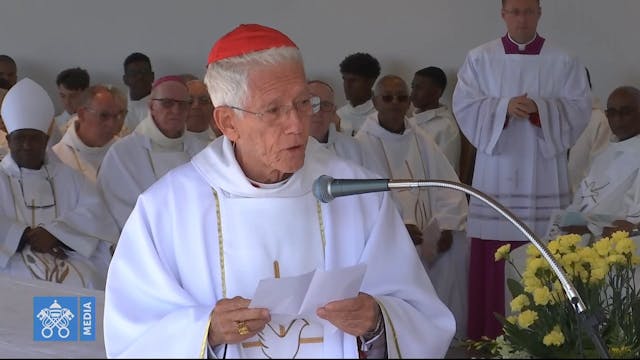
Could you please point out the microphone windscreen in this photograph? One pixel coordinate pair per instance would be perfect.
(321, 188)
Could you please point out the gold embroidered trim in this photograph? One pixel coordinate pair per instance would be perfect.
(393, 329)
(220, 244)
(311, 340)
(321, 222)
(203, 348)
(75, 156)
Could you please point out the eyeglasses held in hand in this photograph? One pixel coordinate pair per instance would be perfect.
(39, 206)
(306, 106)
(167, 103)
(398, 98)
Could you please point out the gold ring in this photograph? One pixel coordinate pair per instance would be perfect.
(243, 329)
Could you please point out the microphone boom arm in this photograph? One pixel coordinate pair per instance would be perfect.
(569, 289)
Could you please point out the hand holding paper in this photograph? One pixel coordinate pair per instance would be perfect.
(303, 294)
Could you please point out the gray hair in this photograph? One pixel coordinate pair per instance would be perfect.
(227, 79)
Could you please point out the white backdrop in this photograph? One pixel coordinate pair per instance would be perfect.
(46, 36)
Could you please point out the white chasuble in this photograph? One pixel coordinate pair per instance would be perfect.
(249, 255)
(38, 200)
(610, 186)
(204, 233)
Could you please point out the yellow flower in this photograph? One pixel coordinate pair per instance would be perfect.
(526, 318)
(531, 282)
(602, 247)
(502, 252)
(541, 295)
(519, 302)
(554, 337)
(616, 259)
(533, 251)
(512, 319)
(625, 245)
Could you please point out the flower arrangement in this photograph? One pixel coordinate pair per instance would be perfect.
(544, 324)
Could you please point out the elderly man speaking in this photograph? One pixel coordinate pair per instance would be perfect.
(199, 240)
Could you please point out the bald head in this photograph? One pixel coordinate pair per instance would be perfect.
(169, 107)
(623, 112)
(387, 82)
(391, 99)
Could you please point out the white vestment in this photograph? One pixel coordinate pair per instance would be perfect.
(414, 155)
(206, 136)
(137, 110)
(352, 118)
(442, 126)
(55, 135)
(85, 159)
(61, 121)
(522, 166)
(204, 232)
(69, 207)
(611, 189)
(343, 145)
(135, 162)
(592, 141)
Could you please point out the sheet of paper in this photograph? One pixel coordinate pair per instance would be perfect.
(303, 294)
(332, 285)
(282, 295)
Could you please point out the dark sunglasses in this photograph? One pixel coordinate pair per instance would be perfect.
(398, 98)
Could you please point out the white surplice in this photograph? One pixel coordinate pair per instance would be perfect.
(414, 155)
(73, 152)
(592, 141)
(352, 118)
(207, 136)
(204, 232)
(136, 161)
(61, 120)
(611, 188)
(343, 145)
(522, 166)
(442, 126)
(137, 110)
(70, 209)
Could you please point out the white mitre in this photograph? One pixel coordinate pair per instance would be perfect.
(27, 106)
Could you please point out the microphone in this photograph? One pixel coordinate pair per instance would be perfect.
(326, 188)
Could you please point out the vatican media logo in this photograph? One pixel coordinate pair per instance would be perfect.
(64, 318)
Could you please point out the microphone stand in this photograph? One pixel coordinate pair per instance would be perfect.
(588, 322)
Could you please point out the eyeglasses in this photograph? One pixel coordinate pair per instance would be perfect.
(32, 205)
(398, 98)
(202, 100)
(518, 12)
(325, 106)
(105, 115)
(622, 112)
(306, 106)
(167, 103)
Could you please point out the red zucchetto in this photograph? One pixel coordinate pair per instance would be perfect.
(248, 38)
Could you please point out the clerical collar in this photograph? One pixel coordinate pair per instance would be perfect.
(268, 186)
(532, 47)
(148, 127)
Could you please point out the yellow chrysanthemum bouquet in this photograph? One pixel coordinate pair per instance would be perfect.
(544, 324)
